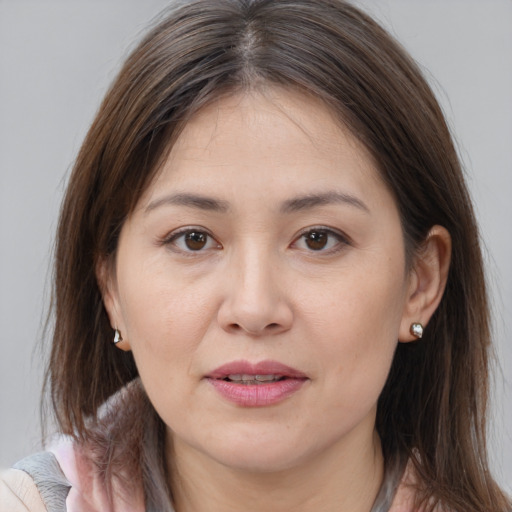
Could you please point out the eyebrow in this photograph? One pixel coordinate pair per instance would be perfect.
(191, 201)
(293, 205)
(310, 201)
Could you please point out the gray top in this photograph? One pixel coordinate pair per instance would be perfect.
(50, 481)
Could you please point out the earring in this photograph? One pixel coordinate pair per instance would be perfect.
(117, 337)
(416, 329)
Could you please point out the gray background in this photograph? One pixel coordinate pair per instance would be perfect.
(56, 60)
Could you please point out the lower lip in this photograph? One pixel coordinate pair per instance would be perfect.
(257, 395)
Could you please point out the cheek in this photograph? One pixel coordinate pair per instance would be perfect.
(362, 301)
(165, 319)
(165, 325)
(356, 323)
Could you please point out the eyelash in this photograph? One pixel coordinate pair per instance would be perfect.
(341, 240)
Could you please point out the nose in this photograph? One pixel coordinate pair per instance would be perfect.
(255, 301)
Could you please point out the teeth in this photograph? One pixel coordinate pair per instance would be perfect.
(253, 379)
(266, 378)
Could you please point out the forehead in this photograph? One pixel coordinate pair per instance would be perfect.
(272, 140)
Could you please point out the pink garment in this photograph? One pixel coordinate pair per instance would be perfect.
(88, 493)
(405, 494)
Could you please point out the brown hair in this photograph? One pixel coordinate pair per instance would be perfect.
(433, 406)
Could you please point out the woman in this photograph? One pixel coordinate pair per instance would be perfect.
(268, 286)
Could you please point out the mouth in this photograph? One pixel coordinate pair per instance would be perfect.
(256, 385)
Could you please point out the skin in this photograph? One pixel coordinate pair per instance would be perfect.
(259, 289)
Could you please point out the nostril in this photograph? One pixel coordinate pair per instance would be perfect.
(235, 327)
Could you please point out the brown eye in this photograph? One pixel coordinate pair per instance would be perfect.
(321, 240)
(316, 240)
(195, 240)
(192, 240)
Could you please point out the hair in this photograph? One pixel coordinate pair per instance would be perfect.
(433, 406)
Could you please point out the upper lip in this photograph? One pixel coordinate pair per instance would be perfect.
(259, 368)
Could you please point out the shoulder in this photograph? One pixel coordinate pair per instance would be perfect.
(63, 479)
(18, 493)
(36, 483)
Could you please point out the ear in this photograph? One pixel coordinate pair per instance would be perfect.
(427, 281)
(105, 275)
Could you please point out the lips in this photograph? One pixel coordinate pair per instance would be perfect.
(256, 385)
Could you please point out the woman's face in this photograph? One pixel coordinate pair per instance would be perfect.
(261, 285)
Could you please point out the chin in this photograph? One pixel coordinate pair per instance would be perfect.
(259, 461)
(257, 453)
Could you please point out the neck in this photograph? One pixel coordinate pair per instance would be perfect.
(342, 479)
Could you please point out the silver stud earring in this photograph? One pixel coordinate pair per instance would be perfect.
(416, 329)
(117, 337)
